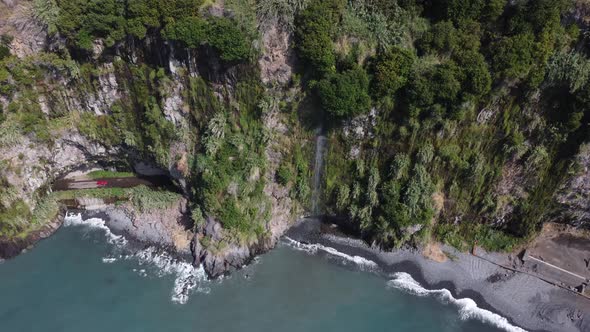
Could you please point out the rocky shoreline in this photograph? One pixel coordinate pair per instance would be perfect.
(14, 246)
(524, 300)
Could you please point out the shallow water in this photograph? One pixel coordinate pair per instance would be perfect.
(78, 281)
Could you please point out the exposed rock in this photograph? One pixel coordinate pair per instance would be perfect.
(30, 169)
(433, 252)
(574, 194)
(166, 227)
(277, 61)
(17, 19)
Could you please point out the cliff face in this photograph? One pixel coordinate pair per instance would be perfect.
(218, 110)
(137, 104)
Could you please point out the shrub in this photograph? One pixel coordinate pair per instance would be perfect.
(99, 128)
(392, 69)
(478, 80)
(285, 174)
(513, 57)
(221, 33)
(47, 12)
(315, 28)
(442, 37)
(4, 52)
(231, 42)
(401, 166)
(146, 199)
(572, 69)
(191, 31)
(345, 95)
(437, 84)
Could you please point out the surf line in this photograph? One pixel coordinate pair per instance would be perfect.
(468, 308)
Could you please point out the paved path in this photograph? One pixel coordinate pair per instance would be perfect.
(126, 182)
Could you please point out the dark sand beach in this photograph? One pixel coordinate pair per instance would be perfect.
(525, 300)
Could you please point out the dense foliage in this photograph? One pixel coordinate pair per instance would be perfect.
(345, 94)
(455, 120)
(455, 85)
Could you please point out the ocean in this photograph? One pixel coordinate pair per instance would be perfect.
(84, 278)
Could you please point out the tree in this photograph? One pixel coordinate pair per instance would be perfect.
(478, 80)
(345, 94)
(392, 69)
(442, 37)
(191, 31)
(142, 14)
(513, 56)
(227, 38)
(220, 33)
(315, 28)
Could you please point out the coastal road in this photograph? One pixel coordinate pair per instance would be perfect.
(122, 182)
(563, 258)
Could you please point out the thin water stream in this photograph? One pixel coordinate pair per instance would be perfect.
(318, 170)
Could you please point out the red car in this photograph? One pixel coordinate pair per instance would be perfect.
(101, 183)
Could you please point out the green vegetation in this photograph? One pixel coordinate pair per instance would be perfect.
(102, 174)
(143, 198)
(230, 168)
(146, 199)
(111, 21)
(392, 71)
(315, 27)
(84, 21)
(343, 95)
(16, 216)
(453, 83)
(476, 110)
(221, 33)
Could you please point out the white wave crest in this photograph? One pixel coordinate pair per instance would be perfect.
(75, 219)
(187, 277)
(468, 309)
(313, 249)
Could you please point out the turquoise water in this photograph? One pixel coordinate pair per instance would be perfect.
(78, 281)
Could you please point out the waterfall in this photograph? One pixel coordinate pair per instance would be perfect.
(318, 167)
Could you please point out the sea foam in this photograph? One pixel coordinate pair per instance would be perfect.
(75, 219)
(468, 309)
(187, 278)
(314, 248)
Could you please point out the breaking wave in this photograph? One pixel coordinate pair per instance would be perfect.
(468, 309)
(75, 219)
(187, 278)
(314, 248)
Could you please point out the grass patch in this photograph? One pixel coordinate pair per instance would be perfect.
(464, 236)
(146, 199)
(116, 193)
(102, 174)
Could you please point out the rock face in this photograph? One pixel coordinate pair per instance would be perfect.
(31, 170)
(277, 61)
(574, 195)
(232, 254)
(164, 227)
(17, 19)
